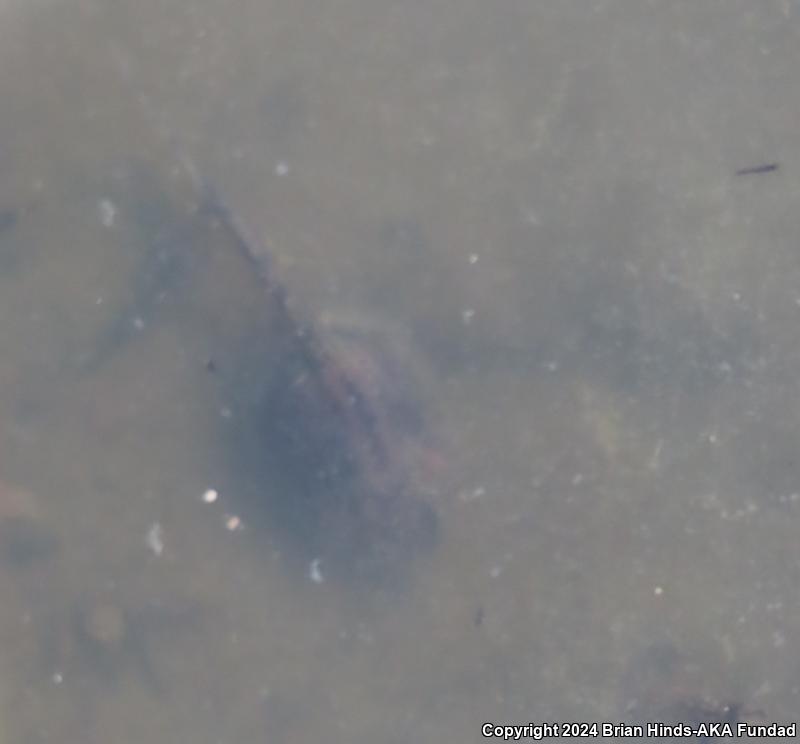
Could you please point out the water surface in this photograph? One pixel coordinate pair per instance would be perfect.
(544, 196)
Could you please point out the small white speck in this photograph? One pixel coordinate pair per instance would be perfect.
(577, 479)
(495, 572)
(225, 412)
(57, 678)
(210, 496)
(467, 316)
(155, 538)
(138, 323)
(233, 523)
(98, 301)
(282, 168)
(315, 571)
(473, 258)
(658, 591)
(107, 211)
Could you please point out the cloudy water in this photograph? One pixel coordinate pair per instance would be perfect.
(371, 371)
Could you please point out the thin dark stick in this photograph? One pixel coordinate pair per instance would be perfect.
(755, 169)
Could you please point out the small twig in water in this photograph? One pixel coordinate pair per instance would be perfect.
(755, 169)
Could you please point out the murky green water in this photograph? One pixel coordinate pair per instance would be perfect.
(542, 195)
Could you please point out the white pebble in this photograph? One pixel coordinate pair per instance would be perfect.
(233, 523)
(210, 496)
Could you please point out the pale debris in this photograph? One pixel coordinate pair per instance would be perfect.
(474, 494)
(233, 523)
(155, 538)
(107, 211)
(315, 571)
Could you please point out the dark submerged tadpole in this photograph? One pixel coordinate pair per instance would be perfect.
(357, 451)
(342, 425)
